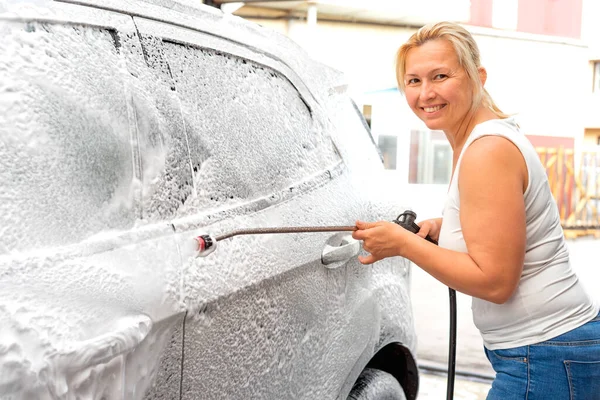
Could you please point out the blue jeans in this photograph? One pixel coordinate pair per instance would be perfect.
(566, 367)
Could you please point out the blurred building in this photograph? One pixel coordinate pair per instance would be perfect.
(542, 57)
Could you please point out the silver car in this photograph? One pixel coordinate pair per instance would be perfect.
(129, 128)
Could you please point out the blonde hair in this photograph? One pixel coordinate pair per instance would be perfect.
(466, 50)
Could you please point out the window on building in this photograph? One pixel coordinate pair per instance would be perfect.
(596, 87)
(367, 109)
(388, 145)
(430, 158)
(442, 163)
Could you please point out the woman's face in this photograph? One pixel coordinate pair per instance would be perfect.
(438, 89)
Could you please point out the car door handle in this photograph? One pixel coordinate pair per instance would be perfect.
(346, 248)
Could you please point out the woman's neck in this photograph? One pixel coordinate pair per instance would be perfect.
(458, 136)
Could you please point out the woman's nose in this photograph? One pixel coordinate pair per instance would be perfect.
(426, 91)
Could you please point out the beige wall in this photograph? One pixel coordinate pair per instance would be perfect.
(542, 82)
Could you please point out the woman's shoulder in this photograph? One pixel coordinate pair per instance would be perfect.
(491, 148)
(506, 128)
(496, 126)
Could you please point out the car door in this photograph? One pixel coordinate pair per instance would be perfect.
(86, 301)
(265, 317)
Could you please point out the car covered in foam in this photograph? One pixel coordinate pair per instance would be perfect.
(129, 128)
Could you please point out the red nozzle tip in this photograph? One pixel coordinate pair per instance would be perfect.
(201, 243)
(206, 245)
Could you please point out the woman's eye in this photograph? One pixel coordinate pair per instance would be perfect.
(440, 76)
(412, 81)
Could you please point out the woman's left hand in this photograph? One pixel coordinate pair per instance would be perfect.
(382, 239)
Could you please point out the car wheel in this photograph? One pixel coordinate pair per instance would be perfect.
(375, 384)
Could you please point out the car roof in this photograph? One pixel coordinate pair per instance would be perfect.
(191, 14)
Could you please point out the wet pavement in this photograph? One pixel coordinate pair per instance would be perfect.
(431, 311)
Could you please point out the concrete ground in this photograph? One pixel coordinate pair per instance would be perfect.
(434, 387)
(431, 310)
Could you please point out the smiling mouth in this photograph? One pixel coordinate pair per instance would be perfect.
(433, 109)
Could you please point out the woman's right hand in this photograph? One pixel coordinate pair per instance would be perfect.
(430, 227)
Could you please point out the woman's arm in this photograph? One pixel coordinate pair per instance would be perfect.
(493, 177)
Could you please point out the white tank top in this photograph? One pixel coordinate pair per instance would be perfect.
(549, 299)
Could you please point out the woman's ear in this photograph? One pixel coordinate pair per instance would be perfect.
(482, 75)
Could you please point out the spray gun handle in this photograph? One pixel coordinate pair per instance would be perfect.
(407, 221)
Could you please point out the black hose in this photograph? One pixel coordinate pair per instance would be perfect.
(451, 346)
(407, 221)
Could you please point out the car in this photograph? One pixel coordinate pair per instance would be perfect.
(128, 130)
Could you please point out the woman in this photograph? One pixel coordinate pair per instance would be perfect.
(500, 239)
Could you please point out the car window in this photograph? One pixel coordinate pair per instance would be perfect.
(247, 130)
(166, 172)
(65, 156)
(366, 128)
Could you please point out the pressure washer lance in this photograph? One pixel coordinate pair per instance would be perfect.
(208, 243)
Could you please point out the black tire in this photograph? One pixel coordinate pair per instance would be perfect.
(375, 384)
